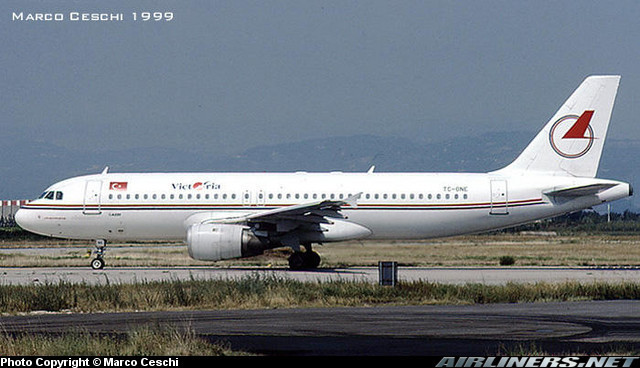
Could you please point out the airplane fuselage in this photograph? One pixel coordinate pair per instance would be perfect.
(162, 206)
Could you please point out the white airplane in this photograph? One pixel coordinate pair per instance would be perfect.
(233, 215)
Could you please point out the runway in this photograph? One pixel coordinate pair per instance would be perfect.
(454, 275)
(572, 327)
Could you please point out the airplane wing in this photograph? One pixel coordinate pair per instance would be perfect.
(307, 211)
(580, 191)
(284, 219)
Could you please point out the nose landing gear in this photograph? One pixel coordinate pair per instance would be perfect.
(98, 262)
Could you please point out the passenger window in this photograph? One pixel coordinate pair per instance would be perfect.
(110, 196)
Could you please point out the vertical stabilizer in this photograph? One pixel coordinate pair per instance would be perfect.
(571, 143)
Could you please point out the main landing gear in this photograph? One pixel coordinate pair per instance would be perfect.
(304, 260)
(98, 262)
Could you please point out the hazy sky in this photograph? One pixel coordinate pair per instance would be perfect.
(228, 75)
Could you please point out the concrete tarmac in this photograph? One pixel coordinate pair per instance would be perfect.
(454, 275)
(555, 328)
(593, 327)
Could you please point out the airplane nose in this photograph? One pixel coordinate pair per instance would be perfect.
(22, 219)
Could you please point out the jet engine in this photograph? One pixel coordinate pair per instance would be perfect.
(213, 242)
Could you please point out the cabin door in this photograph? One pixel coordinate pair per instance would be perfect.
(91, 203)
(499, 198)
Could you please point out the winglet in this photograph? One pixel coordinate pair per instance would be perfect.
(352, 200)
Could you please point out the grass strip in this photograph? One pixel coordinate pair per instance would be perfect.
(260, 291)
(144, 341)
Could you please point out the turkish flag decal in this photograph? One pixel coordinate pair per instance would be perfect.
(118, 185)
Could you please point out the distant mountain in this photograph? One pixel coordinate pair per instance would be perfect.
(27, 167)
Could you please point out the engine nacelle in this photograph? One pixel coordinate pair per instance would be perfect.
(213, 242)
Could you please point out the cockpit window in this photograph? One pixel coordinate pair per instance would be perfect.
(42, 195)
(49, 195)
(58, 196)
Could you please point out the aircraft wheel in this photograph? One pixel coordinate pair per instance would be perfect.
(311, 259)
(296, 261)
(97, 264)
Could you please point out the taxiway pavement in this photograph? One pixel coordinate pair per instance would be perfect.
(454, 275)
(563, 328)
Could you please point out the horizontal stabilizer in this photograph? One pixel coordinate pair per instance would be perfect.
(580, 191)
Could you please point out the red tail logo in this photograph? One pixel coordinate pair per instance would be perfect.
(571, 136)
(580, 127)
